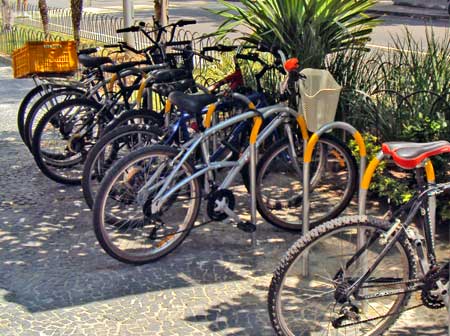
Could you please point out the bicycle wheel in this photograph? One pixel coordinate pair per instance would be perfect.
(279, 183)
(137, 236)
(63, 137)
(42, 106)
(135, 117)
(28, 101)
(315, 302)
(109, 149)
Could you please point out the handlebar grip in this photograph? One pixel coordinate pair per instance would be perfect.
(128, 29)
(182, 23)
(220, 48)
(265, 47)
(87, 51)
(250, 57)
(108, 46)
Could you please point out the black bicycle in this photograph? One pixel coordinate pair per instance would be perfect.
(354, 275)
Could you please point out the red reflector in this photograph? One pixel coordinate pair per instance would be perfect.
(291, 64)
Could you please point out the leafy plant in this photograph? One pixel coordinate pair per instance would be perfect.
(384, 184)
(309, 30)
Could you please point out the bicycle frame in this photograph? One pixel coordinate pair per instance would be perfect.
(201, 140)
(398, 228)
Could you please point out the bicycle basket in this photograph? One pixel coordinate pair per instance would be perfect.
(45, 58)
(319, 94)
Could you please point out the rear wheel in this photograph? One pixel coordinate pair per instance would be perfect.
(28, 101)
(63, 137)
(123, 223)
(307, 295)
(279, 183)
(42, 106)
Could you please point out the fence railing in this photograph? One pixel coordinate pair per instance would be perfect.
(17, 36)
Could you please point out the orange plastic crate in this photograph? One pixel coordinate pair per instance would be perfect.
(45, 58)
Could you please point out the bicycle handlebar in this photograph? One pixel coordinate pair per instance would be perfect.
(131, 29)
(182, 23)
(220, 48)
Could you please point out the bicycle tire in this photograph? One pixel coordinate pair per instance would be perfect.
(58, 167)
(100, 213)
(25, 105)
(42, 106)
(99, 148)
(130, 116)
(272, 209)
(315, 244)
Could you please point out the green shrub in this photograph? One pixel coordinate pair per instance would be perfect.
(309, 30)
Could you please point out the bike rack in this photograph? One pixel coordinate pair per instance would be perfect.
(307, 156)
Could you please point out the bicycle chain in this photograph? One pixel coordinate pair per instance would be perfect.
(380, 317)
(391, 314)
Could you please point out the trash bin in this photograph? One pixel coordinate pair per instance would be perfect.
(319, 94)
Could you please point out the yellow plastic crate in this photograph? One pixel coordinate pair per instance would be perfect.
(45, 58)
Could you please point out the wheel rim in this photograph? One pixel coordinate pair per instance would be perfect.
(281, 187)
(317, 307)
(129, 237)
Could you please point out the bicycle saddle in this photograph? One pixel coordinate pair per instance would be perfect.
(93, 62)
(164, 89)
(192, 104)
(169, 75)
(409, 155)
(115, 68)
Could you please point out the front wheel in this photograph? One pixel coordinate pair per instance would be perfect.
(109, 149)
(279, 183)
(123, 223)
(307, 295)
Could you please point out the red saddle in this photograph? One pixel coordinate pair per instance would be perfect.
(409, 155)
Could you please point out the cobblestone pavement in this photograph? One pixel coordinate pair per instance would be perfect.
(55, 279)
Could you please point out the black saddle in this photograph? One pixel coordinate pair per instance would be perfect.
(164, 89)
(169, 75)
(192, 104)
(93, 62)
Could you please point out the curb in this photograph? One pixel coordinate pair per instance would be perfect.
(411, 15)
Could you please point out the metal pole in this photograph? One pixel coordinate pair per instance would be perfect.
(164, 12)
(253, 154)
(128, 15)
(305, 259)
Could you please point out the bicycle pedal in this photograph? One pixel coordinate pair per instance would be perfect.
(246, 226)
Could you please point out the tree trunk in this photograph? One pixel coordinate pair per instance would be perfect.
(77, 8)
(43, 9)
(159, 15)
(7, 15)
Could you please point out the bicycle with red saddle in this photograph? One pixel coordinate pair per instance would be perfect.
(355, 275)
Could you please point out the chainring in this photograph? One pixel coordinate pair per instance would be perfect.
(219, 195)
(428, 298)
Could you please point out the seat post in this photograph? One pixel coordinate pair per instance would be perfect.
(429, 214)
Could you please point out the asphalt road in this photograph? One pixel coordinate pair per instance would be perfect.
(208, 22)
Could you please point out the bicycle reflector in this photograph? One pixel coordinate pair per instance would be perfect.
(291, 64)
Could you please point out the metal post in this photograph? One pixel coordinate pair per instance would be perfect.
(164, 12)
(128, 15)
(253, 189)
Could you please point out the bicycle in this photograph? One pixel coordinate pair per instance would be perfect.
(355, 274)
(111, 147)
(73, 126)
(134, 217)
